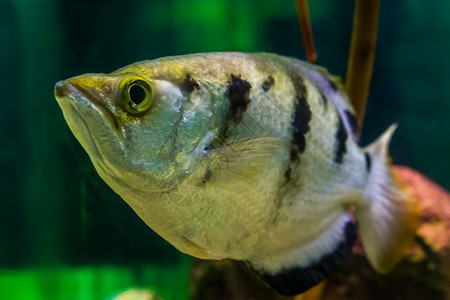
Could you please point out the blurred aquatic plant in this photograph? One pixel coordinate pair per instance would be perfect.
(362, 55)
(362, 49)
(305, 26)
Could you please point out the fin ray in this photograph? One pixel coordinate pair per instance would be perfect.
(239, 163)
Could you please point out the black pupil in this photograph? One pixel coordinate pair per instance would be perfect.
(137, 94)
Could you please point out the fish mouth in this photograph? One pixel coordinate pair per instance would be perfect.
(66, 88)
(86, 116)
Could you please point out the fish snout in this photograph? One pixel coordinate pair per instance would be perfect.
(62, 89)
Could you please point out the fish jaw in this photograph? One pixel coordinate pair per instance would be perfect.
(91, 123)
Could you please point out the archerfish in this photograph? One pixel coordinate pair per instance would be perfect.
(252, 157)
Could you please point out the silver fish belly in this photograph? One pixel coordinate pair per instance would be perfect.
(252, 157)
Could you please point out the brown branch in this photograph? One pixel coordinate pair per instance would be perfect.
(362, 52)
(305, 26)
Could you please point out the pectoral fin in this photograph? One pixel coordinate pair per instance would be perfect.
(239, 164)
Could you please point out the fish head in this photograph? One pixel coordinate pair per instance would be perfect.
(125, 121)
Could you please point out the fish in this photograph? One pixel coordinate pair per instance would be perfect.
(247, 156)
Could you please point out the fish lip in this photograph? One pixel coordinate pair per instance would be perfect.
(66, 94)
(76, 88)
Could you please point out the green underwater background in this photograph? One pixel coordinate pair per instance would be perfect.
(64, 234)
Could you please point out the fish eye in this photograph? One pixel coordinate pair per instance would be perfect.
(136, 94)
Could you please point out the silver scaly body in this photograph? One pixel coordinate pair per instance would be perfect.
(245, 156)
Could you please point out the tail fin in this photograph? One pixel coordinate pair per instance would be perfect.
(388, 217)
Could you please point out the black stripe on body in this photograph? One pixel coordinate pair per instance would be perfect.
(189, 84)
(297, 280)
(331, 83)
(323, 100)
(238, 95)
(288, 175)
(207, 176)
(267, 84)
(353, 122)
(340, 147)
(368, 161)
(238, 92)
(301, 118)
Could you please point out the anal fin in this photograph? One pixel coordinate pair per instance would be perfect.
(298, 279)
